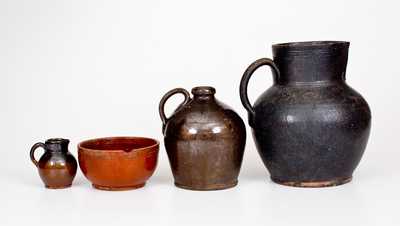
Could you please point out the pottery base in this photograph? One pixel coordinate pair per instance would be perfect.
(211, 187)
(313, 184)
(107, 188)
(58, 187)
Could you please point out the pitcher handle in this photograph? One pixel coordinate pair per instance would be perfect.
(32, 152)
(164, 99)
(245, 81)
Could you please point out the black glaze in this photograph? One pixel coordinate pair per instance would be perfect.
(310, 127)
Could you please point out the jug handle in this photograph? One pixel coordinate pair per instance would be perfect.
(245, 81)
(164, 99)
(32, 153)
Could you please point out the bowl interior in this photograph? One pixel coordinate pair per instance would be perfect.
(118, 143)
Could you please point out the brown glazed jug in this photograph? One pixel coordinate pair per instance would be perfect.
(310, 127)
(204, 140)
(57, 166)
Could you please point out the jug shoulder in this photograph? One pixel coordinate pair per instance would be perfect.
(216, 119)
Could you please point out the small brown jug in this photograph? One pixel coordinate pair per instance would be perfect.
(204, 139)
(57, 166)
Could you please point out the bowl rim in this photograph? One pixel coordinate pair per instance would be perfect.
(134, 150)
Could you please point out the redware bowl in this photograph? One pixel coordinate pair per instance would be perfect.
(118, 163)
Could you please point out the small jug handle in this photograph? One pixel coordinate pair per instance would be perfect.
(164, 99)
(32, 153)
(245, 81)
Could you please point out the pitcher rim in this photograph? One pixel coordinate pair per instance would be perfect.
(310, 44)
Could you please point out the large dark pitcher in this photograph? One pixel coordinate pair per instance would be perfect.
(310, 127)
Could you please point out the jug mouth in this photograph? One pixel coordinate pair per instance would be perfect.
(203, 90)
(313, 46)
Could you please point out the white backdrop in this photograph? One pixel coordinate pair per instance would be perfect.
(82, 69)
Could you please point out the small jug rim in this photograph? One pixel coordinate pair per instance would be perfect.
(56, 140)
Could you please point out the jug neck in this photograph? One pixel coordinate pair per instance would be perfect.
(57, 145)
(305, 62)
(203, 93)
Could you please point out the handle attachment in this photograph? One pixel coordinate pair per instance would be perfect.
(245, 81)
(32, 153)
(164, 99)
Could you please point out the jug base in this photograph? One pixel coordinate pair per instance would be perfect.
(210, 187)
(108, 188)
(313, 184)
(58, 187)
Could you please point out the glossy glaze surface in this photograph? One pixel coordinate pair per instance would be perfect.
(57, 166)
(310, 127)
(205, 140)
(118, 163)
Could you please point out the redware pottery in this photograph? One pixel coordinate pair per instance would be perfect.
(204, 140)
(57, 166)
(311, 128)
(118, 163)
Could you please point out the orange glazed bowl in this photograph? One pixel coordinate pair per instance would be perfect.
(118, 163)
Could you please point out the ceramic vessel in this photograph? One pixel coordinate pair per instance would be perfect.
(57, 166)
(204, 140)
(311, 128)
(118, 163)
